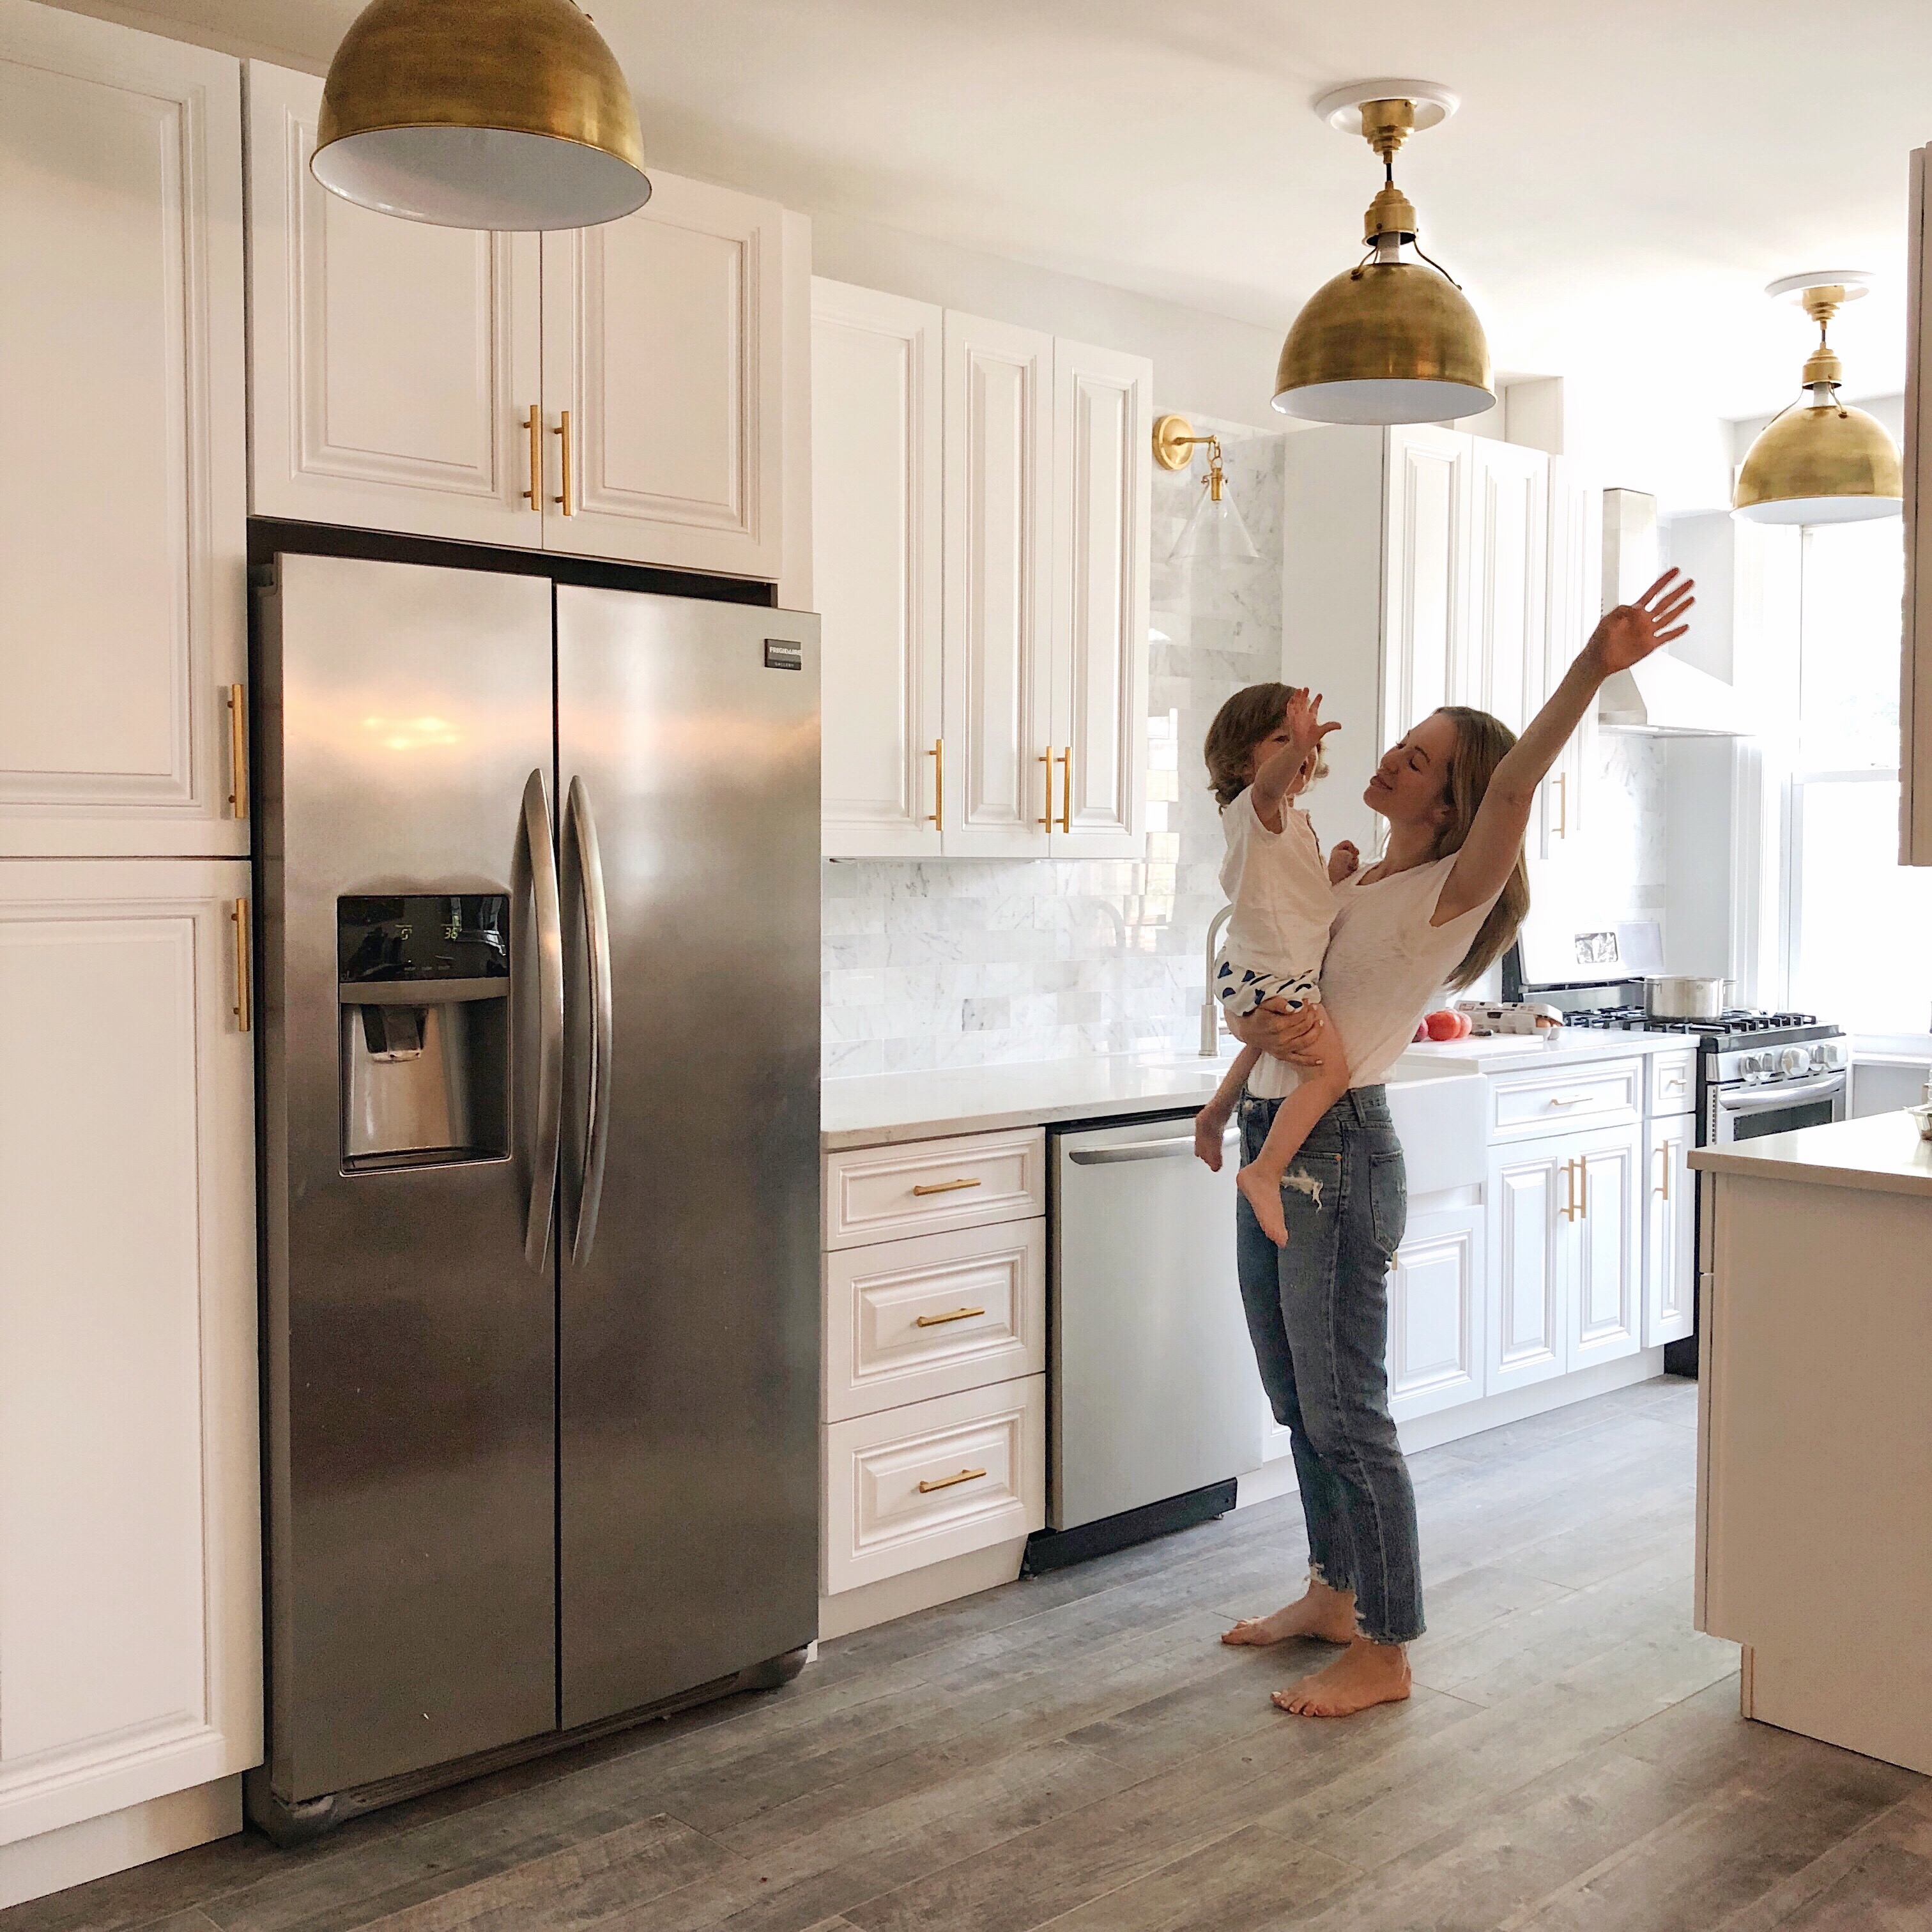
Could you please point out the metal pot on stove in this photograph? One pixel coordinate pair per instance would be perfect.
(1685, 996)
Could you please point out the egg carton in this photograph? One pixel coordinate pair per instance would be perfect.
(1527, 1016)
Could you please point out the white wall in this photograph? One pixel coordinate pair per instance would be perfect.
(1203, 363)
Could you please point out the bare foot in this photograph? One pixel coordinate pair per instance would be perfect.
(1211, 1128)
(1265, 1198)
(1321, 1612)
(1365, 1674)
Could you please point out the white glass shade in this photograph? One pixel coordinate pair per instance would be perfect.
(1214, 533)
(1821, 510)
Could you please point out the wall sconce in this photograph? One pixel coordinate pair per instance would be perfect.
(1215, 533)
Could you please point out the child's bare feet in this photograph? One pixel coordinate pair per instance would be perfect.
(1264, 1196)
(1319, 1612)
(1364, 1674)
(1210, 1130)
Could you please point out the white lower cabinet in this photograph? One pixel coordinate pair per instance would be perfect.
(934, 1389)
(130, 1660)
(1436, 1313)
(911, 1486)
(1670, 1230)
(1565, 1220)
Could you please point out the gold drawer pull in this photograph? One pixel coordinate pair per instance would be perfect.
(958, 1315)
(943, 1186)
(946, 1482)
(1568, 1100)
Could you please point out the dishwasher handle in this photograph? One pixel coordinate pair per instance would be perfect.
(1167, 1150)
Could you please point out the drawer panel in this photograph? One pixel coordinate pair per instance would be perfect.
(982, 1457)
(1673, 1083)
(1586, 1096)
(924, 1187)
(905, 1321)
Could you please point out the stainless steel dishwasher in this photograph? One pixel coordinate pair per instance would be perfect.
(1155, 1408)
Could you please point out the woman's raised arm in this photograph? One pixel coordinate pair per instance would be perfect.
(1626, 636)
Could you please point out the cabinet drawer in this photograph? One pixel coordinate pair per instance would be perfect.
(915, 1486)
(907, 1320)
(1576, 1096)
(1673, 1083)
(924, 1187)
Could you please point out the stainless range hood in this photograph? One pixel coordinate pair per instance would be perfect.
(1663, 696)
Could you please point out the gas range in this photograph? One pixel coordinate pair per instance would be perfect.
(1739, 1047)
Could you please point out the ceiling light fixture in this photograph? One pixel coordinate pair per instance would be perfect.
(510, 115)
(1215, 533)
(1820, 462)
(1390, 340)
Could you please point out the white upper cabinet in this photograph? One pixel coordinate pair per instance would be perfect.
(998, 738)
(980, 508)
(662, 349)
(1103, 422)
(130, 1645)
(1509, 495)
(876, 562)
(395, 364)
(615, 392)
(1574, 605)
(123, 542)
(1425, 541)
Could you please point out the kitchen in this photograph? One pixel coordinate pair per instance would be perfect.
(964, 443)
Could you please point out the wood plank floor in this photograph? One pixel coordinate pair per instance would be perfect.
(1080, 1752)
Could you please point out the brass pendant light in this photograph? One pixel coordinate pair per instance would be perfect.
(498, 114)
(1390, 340)
(1822, 461)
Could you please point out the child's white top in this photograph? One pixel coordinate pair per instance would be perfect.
(1278, 882)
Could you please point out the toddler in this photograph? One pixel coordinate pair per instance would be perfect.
(1263, 750)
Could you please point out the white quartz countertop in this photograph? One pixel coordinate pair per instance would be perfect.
(878, 1109)
(1882, 1154)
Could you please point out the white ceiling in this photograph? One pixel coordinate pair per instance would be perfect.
(1623, 178)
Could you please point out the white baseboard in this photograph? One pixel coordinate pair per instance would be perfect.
(920, 1589)
(32, 1867)
(1276, 1477)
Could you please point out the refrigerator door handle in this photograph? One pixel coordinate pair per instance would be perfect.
(580, 831)
(534, 871)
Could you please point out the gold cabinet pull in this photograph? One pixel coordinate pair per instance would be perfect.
(937, 755)
(1568, 1099)
(1663, 1185)
(1571, 1209)
(935, 1321)
(1046, 759)
(245, 1005)
(237, 751)
(568, 499)
(944, 1187)
(1562, 804)
(533, 429)
(946, 1482)
(1067, 789)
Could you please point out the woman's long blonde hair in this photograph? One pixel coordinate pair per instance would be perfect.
(1482, 739)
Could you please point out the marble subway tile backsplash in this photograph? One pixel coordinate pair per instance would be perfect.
(968, 962)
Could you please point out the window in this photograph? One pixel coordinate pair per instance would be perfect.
(1858, 930)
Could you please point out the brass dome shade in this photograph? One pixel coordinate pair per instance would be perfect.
(499, 114)
(1820, 462)
(1390, 340)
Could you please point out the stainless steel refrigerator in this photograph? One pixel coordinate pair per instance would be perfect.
(539, 1019)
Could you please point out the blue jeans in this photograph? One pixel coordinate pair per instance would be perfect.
(1318, 1314)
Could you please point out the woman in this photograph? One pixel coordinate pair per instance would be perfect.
(1441, 904)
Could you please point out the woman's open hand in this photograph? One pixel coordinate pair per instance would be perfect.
(1629, 633)
(1301, 1036)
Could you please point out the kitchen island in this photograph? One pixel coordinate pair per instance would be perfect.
(1814, 1494)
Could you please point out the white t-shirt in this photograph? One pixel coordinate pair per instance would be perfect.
(1277, 883)
(1385, 966)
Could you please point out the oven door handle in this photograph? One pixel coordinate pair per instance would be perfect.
(1759, 1099)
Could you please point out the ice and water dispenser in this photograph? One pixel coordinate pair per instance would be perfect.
(423, 981)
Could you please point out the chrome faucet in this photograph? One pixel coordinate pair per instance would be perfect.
(1211, 1007)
